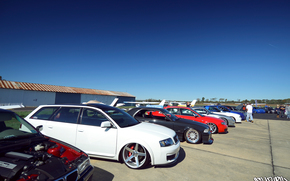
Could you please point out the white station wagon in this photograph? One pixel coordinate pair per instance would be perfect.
(107, 132)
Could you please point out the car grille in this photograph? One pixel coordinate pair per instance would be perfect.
(72, 176)
(176, 140)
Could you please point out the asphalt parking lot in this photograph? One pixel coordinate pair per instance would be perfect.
(250, 151)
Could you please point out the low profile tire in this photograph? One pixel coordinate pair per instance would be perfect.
(192, 136)
(135, 155)
(213, 127)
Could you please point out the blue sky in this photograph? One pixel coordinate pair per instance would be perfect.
(175, 50)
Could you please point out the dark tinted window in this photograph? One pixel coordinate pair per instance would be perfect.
(92, 117)
(67, 115)
(187, 112)
(44, 113)
(224, 109)
(173, 110)
(213, 109)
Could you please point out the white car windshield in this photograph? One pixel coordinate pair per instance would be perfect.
(122, 118)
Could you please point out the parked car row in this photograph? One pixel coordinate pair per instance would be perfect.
(107, 132)
(217, 110)
(188, 130)
(259, 110)
(64, 136)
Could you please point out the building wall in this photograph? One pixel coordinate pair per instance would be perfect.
(27, 98)
(36, 98)
(11, 96)
(63, 98)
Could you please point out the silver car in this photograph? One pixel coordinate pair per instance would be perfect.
(201, 110)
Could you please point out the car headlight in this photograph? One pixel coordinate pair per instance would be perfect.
(83, 165)
(206, 130)
(166, 142)
(223, 123)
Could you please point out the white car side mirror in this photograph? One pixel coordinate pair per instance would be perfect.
(106, 124)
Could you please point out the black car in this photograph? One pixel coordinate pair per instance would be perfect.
(191, 131)
(269, 110)
(233, 108)
(26, 155)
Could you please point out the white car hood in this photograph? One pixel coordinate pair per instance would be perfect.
(153, 129)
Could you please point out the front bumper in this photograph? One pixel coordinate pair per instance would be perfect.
(167, 155)
(87, 174)
(243, 117)
(238, 119)
(231, 122)
(207, 138)
(222, 128)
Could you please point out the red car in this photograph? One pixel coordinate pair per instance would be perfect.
(216, 125)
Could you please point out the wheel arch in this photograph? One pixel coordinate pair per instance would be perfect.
(187, 128)
(217, 125)
(199, 132)
(184, 131)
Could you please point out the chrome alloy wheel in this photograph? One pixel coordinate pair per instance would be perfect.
(135, 155)
(213, 127)
(192, 136)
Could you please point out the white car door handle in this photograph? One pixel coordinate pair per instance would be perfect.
(50, 126)
(80, 130)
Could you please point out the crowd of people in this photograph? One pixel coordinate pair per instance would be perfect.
(282, 110)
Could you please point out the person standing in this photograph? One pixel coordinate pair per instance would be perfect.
(277, 110)
(287, 111)
(249, 109)
(282, 111)
(244, 108)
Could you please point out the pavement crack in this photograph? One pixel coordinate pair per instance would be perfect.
(271, 151)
